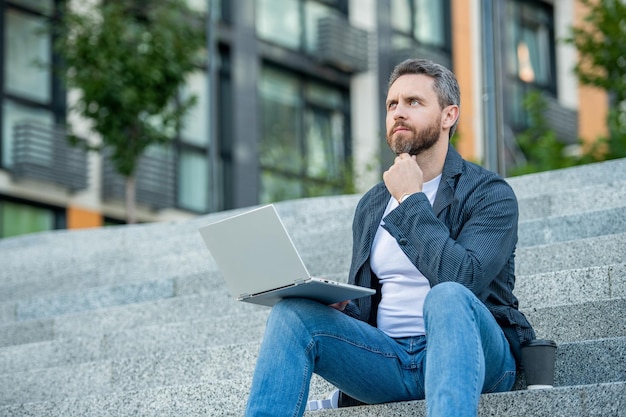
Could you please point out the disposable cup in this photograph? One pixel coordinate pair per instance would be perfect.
(538, 357)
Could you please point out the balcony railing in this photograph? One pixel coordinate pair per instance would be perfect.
(154, 178)
(43, 153)
(563, 121)
(342, 45)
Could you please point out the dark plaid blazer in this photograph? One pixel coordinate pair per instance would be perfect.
(467, 236)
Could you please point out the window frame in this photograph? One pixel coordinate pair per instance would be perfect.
(515, 88)
(447, 28)
(59, 215)
(56, 105)
(306, 104)
(338, 6)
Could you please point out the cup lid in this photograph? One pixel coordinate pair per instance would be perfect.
(539, 342)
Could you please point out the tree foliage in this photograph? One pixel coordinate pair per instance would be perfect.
(129, 60)
(601, 44)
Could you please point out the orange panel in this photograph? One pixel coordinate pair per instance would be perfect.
(78, 218)
(593, 103)
(463, 52)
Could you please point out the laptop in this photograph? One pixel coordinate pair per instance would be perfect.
(261, 265)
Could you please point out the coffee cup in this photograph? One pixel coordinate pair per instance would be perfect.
(538, 358)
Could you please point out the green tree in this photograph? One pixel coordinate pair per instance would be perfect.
(129, 60)
(601, 44)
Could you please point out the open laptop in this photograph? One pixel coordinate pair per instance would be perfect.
(261, 265)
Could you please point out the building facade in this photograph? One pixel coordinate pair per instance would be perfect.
(289, 104)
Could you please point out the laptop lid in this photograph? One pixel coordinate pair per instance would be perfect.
(254, 252)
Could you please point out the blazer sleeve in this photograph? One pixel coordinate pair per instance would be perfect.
(484, 220)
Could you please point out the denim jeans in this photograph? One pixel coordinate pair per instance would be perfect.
(463, 354)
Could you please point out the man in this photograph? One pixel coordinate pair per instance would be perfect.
(436, 239)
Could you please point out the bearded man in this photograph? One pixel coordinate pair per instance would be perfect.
(436, 240)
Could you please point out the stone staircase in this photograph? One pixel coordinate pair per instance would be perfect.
(136, 321)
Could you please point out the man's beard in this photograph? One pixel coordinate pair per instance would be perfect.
(417, 142)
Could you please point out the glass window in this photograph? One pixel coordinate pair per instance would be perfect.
(401, 15)
(425, 21)
(27, 57)
(278, 21)
(193, 181)
(324, 139)
(293, 23)
(429, 22)
(533, 52)
(41, 6)
(277, 187)
(18, 219)
(13, 113)
(281, 109)
(529, 55)
(530, 46)
(303, 144)
(196, 123)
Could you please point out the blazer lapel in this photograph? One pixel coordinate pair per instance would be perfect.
(451, 169)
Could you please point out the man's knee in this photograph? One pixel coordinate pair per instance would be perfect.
(447, 293)
(448, 300)
(296, 312)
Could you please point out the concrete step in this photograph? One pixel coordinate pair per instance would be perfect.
(566, 323)
(129, 374)
(49, 353)
(573, 201)
(124, 243)
(104, 254)
(591, 362)
(94, 298)
(572, 178)
(215, 301)
(581, 253)
(98, 322)
(572, 227)
(571, 286)
(137, 320)
(577, 322)
(581, 401)
(228, 398)
(546, 231)
(580, 363)
(185, 254)
(538, 291)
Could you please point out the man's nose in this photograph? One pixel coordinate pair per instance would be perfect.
(399, 112)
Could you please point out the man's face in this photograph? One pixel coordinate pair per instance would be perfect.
(413, 115)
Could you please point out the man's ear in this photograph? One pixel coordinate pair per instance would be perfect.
(449, 116)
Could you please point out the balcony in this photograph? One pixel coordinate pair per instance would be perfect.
(563, 121)
(155, 180)
(43, 153)
(341, 45)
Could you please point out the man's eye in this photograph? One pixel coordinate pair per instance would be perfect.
(414, 102)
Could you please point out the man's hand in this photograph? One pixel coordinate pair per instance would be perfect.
(340, 306)
(404, 176)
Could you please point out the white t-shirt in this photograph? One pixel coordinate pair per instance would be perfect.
(404, 287)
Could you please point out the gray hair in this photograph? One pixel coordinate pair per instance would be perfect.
(445, 84)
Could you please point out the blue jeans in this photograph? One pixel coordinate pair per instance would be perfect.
(463, 354)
